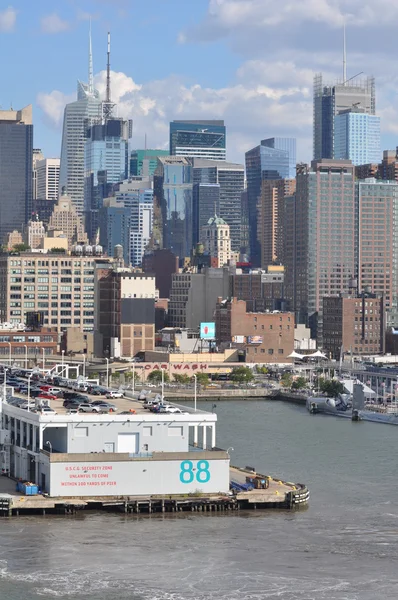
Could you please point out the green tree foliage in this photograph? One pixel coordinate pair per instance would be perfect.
(202, 378)
(21, 247)
(286, 380)
(181, 378)
(155, 376)
(331, 387)
(299, 384)
(242, 374)
(262, 370)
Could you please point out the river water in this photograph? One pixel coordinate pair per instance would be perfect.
(343, 547)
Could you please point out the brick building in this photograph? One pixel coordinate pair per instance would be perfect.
(355, 323)
(265, 337)
(261, 289)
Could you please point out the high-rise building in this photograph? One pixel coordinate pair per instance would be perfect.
(164, 264)
(206, 203)
(330, 100)
(114, 221)
(230, 177)
(200, 139)
(357, 136)
(78, 115)
(34, 233)
(173, 205)
(143, 163)
(61, 286)
(37, 155)
(325, 229)
(377, 238)
(270, 220)
(106, 163)
(65, 218)
(216, 240)
(47, 178)
(274, 158)
(141, 209)
(16, 179)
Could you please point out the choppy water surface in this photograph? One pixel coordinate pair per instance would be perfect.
(344, 547)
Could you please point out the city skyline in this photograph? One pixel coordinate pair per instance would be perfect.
(256, 97)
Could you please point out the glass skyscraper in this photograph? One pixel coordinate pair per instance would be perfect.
(16, 181)
(144, 162)
(106, 163)
(357, 137)
(330, 100)
(78, 116)
(200, 139)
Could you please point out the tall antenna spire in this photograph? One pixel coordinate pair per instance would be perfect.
(108, 105)
(108, 71)
(344, 57)
(90, 65)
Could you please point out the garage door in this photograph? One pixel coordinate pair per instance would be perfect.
(127, 442)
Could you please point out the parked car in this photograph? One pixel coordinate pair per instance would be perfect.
(85, 407)
(114, 394)
(106, 407)
(150, 403)
(44, 410)
(172, 409)
(48, 396)
(73, 403)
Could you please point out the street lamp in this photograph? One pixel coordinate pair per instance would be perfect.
(44, 359)
(63, 354)
(49, 444)
(5, 384)
(26, 357)
(230, 448)
(84, 365)
(9, 353)
(133, 378)
(107, 372)
(162, 385)
(195, 390)
(29, 378)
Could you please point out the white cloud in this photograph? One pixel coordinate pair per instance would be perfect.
(8, 19)
(53, 24)
(52, 105)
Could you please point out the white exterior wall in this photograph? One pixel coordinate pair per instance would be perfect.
(138, 287)
(139, 477)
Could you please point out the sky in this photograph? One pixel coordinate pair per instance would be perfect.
(249, 62)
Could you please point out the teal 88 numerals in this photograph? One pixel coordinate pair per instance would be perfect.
(201, 474)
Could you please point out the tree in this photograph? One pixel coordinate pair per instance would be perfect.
(21, 248)
(242, 374)
(116, 376)
(57, 251)
(299, 383)
(93, 375)
(202, 378)
(286, 380)
(155, 376)
(262, 370)
(130, 375)
(181, 378)
(331, 387)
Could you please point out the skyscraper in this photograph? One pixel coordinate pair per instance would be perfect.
(139, 203)
(201, 139)
(173, 205)
(16, 180)
(47, 178)
(114, 221)
(78, 115)
(325, 255)
(231, 178)
(274, 158)
(330, 100)
(357, 136)
(206, 203)
(144, 162)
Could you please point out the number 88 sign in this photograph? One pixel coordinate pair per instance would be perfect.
(189, 473)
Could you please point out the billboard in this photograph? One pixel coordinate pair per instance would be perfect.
(255, 339)
(207, 331)
(239, 339)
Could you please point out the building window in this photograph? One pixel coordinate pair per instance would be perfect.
(270, 350)
(280, 351)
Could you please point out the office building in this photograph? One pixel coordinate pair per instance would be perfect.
(200, 139)
(16, 179)
(27, 346)
(124, 312)
(270, 218)
(141, 208)
(34, 233)
(14, 238)
(173, 205)
(143, 163)
(65, 218)
(273, 159)
(261, 337)
(262, 289)
(353, 323)
(78, 115)
(36, 156)
(244, 230)
(377, 207)
(325, 257)
(330, 100)
(106, 163)
(217, 242)
(59, 285)
(387, 169)
(47, 178)
(193, 296)
(357, 136)
(164, 264)
(114, 222)
(230, 177)
(43, 209)
(206, 203)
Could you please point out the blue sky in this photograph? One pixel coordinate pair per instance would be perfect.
(248, 61)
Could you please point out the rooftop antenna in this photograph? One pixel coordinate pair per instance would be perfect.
(90, 65)
(344, 57)
(108, 105)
